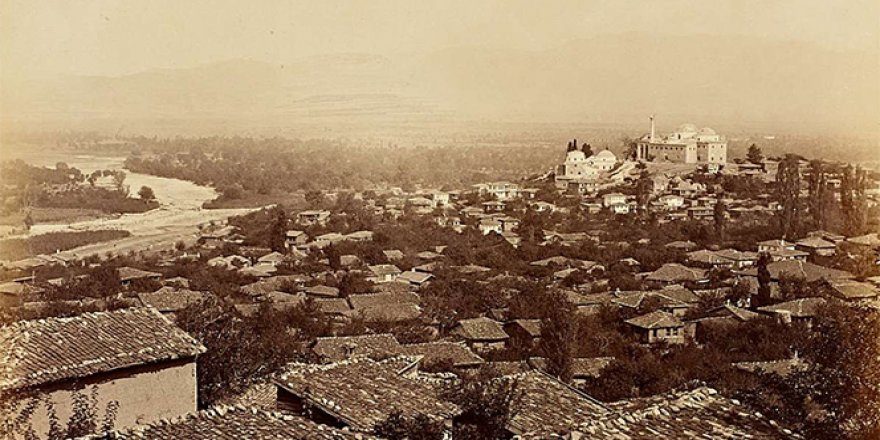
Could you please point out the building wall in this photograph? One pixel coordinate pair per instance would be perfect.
(701, 152)
(144, 395)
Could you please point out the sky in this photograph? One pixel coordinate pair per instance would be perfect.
(122, 37)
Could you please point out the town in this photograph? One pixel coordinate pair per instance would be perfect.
(668, 290)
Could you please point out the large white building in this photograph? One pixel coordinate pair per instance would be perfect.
(687, 144)
(578, 167)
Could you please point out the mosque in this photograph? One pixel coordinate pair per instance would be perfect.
(687, 144)
(580, 167)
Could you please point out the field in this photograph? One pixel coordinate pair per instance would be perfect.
(21, 248)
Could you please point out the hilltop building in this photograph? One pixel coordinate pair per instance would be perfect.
(578, 167)
(687, 144)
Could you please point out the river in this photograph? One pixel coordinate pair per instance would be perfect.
(177, 218)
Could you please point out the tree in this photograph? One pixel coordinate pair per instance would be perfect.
(118, 179)
(587, 149)
(853, 199)
(754, 155)
(278, 235)
(420, 427)
(764, 278)
(818, 194)
(558, 332)
(719, 214)
(487, 405)
(146, 193)
(788, 189)
(644, 187)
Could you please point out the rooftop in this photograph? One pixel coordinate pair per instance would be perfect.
(43, 351)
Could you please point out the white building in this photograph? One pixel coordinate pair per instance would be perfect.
(579, 167)
(687, 144)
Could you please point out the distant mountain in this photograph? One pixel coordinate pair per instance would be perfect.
(715, 81)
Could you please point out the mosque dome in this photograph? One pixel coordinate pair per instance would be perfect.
(687, 128)
(707, 130)
(606, 154)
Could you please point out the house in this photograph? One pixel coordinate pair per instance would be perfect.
(336, 310)
(612, 199)
(854, 290)
(709, 259)
(685, 246)
(481, 334)
(541, 206)
(293, 239)
(13, 294)
(494, 206)
(781, 367)
(489, 225)
(816, 246)
(660, 326)
(170, 300)
(439, 354)
(238, 422)
(801, 310)
(385, 307)
(359, 393)
(674, 273)
(135, 357)
(788, 255)
(697, 413)
(620, 208)
(322, 291)
(671, 201)
(524, 333)
(128, 275)
(730, 314)
(800, 269)
(738, 259)
(393, 255)
(359, 236)
(273, 259)
(312, 217)
(415, 278)
(500, 190)
(338, 348)
(775, 246)
(383, 273)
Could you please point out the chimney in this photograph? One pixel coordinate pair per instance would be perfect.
(652, 128)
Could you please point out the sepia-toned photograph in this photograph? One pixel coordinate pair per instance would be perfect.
(440, 219)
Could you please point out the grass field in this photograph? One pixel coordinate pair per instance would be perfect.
(21, 248)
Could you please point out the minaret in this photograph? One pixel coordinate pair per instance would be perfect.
(652, 129)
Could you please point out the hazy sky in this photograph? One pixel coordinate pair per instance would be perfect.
(116, 37)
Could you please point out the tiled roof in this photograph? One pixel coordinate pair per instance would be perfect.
(333, 305)
(362, 392)
(130, 273)
(324, 291)
(169, 299)
(393, 312)
(547, 406)
(37, 352)
(365, 300)
(849, 289)
(802, 307)
(415, 277)
(483, 329)
(679, 293)
(782, 367)
(738, 313)
(531, 326)
(816, 243)
(343, 347)
(384, 269)
(236, 422)
(433, 352)
(700, 413)
(262, 395)
(674, 272)
(656, 319)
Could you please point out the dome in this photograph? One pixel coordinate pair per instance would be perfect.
(707, 130)
(606, 153)
(687, 128)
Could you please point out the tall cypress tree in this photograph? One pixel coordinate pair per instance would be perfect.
(788, 188)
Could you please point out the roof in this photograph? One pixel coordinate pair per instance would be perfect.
(782, 367)
(777, 243)
(580, 367)
(799, 308)
(678, 293)
(169, 299)
(272, 257)
(738, 313)
(395, 312)
(872, 240)
(236, 422)
(674, 272)
(434, 352)
(699, 413)
(366, 300)
(321, 290)
(42, 351)
(802, 269)
(393, 254)
(343, 347)
(547, 406)
(415, 277)
(361, 392)
(482, 328)
(384, 269)
(816, 243)
(656, 319)
(531, 326)
(681, 245)
(130, 273)
(333, 305)
(849, 289)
